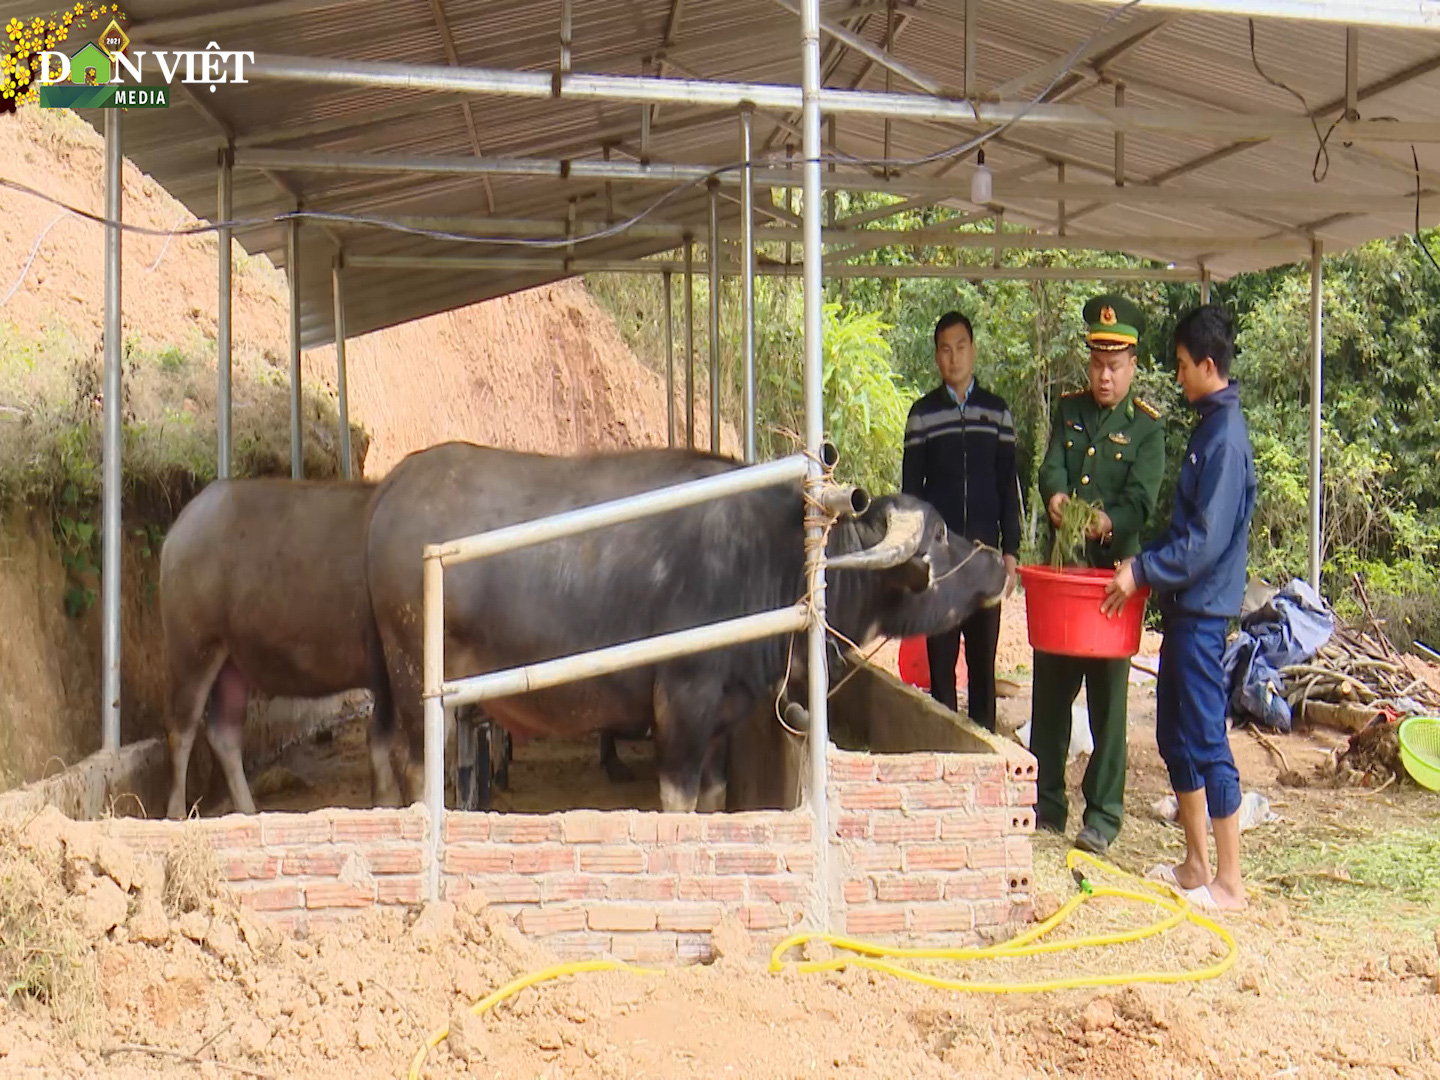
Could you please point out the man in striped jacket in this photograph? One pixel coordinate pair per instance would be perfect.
(960, 457)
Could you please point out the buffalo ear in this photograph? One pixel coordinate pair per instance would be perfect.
(914, 574)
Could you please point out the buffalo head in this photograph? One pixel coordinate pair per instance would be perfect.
(900, 572)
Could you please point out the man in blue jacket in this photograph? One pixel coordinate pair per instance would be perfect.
(1197, 571)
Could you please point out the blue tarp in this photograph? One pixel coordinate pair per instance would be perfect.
(1290, 629)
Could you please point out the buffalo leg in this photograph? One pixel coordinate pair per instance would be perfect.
(687, 717)
(384, 787)
(226, 732)
(617, 771)
(188, 698)
(712, 776)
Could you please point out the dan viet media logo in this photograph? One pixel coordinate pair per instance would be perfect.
(64, 63)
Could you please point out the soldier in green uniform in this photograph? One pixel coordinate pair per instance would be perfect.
(1108, 447)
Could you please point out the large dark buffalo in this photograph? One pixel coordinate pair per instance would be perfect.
(262, 587)
(735, 556)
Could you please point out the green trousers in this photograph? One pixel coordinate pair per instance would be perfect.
(1057, 682)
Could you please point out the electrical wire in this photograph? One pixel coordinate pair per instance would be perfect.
(1420, 240)
(1324, 149)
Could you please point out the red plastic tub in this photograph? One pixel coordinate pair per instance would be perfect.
(914, 664)
(1063, 616)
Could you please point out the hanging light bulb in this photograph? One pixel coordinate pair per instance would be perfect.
(981, 181)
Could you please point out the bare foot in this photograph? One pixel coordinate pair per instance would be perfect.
(1228, 898)
(1191, 875)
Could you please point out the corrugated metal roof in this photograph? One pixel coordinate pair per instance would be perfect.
(1194, 61)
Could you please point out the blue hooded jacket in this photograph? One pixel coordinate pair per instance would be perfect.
(1198, 567)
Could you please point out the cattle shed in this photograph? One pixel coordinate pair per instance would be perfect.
(403, 159)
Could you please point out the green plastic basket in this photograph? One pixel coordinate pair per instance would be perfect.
(1420, 749)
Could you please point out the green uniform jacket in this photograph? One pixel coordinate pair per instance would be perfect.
(1115, 457)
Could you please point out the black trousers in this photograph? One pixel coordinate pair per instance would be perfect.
(982, 636)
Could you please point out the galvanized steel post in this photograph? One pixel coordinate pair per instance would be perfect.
(346, 470)
(747, 262)
(669, 360)
(689, 341)
(297, 418)
(712, 251)
(1317, 364)
(432, 611)
(819, 732)
(110, 466)
(223, 410)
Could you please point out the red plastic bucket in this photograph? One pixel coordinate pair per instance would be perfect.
(914, 663)
(1063, 616)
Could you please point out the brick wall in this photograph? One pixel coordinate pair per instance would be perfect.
(930, 844)
(923, 846)
(638, 886)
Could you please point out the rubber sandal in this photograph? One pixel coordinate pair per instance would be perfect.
(1201, 900)
(1165, 873)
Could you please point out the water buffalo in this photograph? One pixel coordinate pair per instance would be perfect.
(898, 572)
(262, 587)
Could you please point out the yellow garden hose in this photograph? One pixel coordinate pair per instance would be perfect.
(867, 955)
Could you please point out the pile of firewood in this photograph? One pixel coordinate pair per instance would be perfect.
(1360, 670)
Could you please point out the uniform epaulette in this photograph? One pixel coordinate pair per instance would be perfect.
(1148, 409)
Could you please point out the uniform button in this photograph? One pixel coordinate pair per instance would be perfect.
(1084, 479)
(1117, 455)
(1090, 452)
(1069, 443)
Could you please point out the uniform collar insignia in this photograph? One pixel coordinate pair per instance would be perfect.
(1120, 437)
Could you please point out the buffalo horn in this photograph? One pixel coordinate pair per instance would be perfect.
(903, 532)
(843, 500)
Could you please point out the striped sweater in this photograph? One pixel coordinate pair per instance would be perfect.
(960, 458)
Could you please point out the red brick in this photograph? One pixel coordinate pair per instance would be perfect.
(972, 769)
(399, 890)
(462, 826)
(1019, 854)
(623, 917)
(1019, 883)
(990, 795)
(746, 862)
(143, 835)
(317, 862)
(232, 831)
(641, 887)
(737, 829)
(893, 829)
(338, 894)
(544, 860)
(870, 797)
(552, 920)
(800, 862)
(642, 948)
(524, 829)
(491, 859)
(684, 861)
(935, 857)
(1023, 794)
(363, 826)
(594, 827)
(1021, 770)
(273, 898)
(763, 917)
(509, 889)
(781, 890)
(254, 867)
(902, 767)
(678, 828)
(712, 888)
(986, 855)
(992, 912)
(853, 766)
(1022, 821)
(856, 891)
(644, 828)
(571, 887)
(942, 917)
(793, 830)
(612, 860)
(694, 948)
(579, 946)
(853, 826)
(878, 857)
(874, 920)
(295, 828)
(969, 827)
(394, 860)
(976, 885)
(941, 795)
(413, 825)
(689, 916)
(903, 889)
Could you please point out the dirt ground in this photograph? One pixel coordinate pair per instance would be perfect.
(1336, 974)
